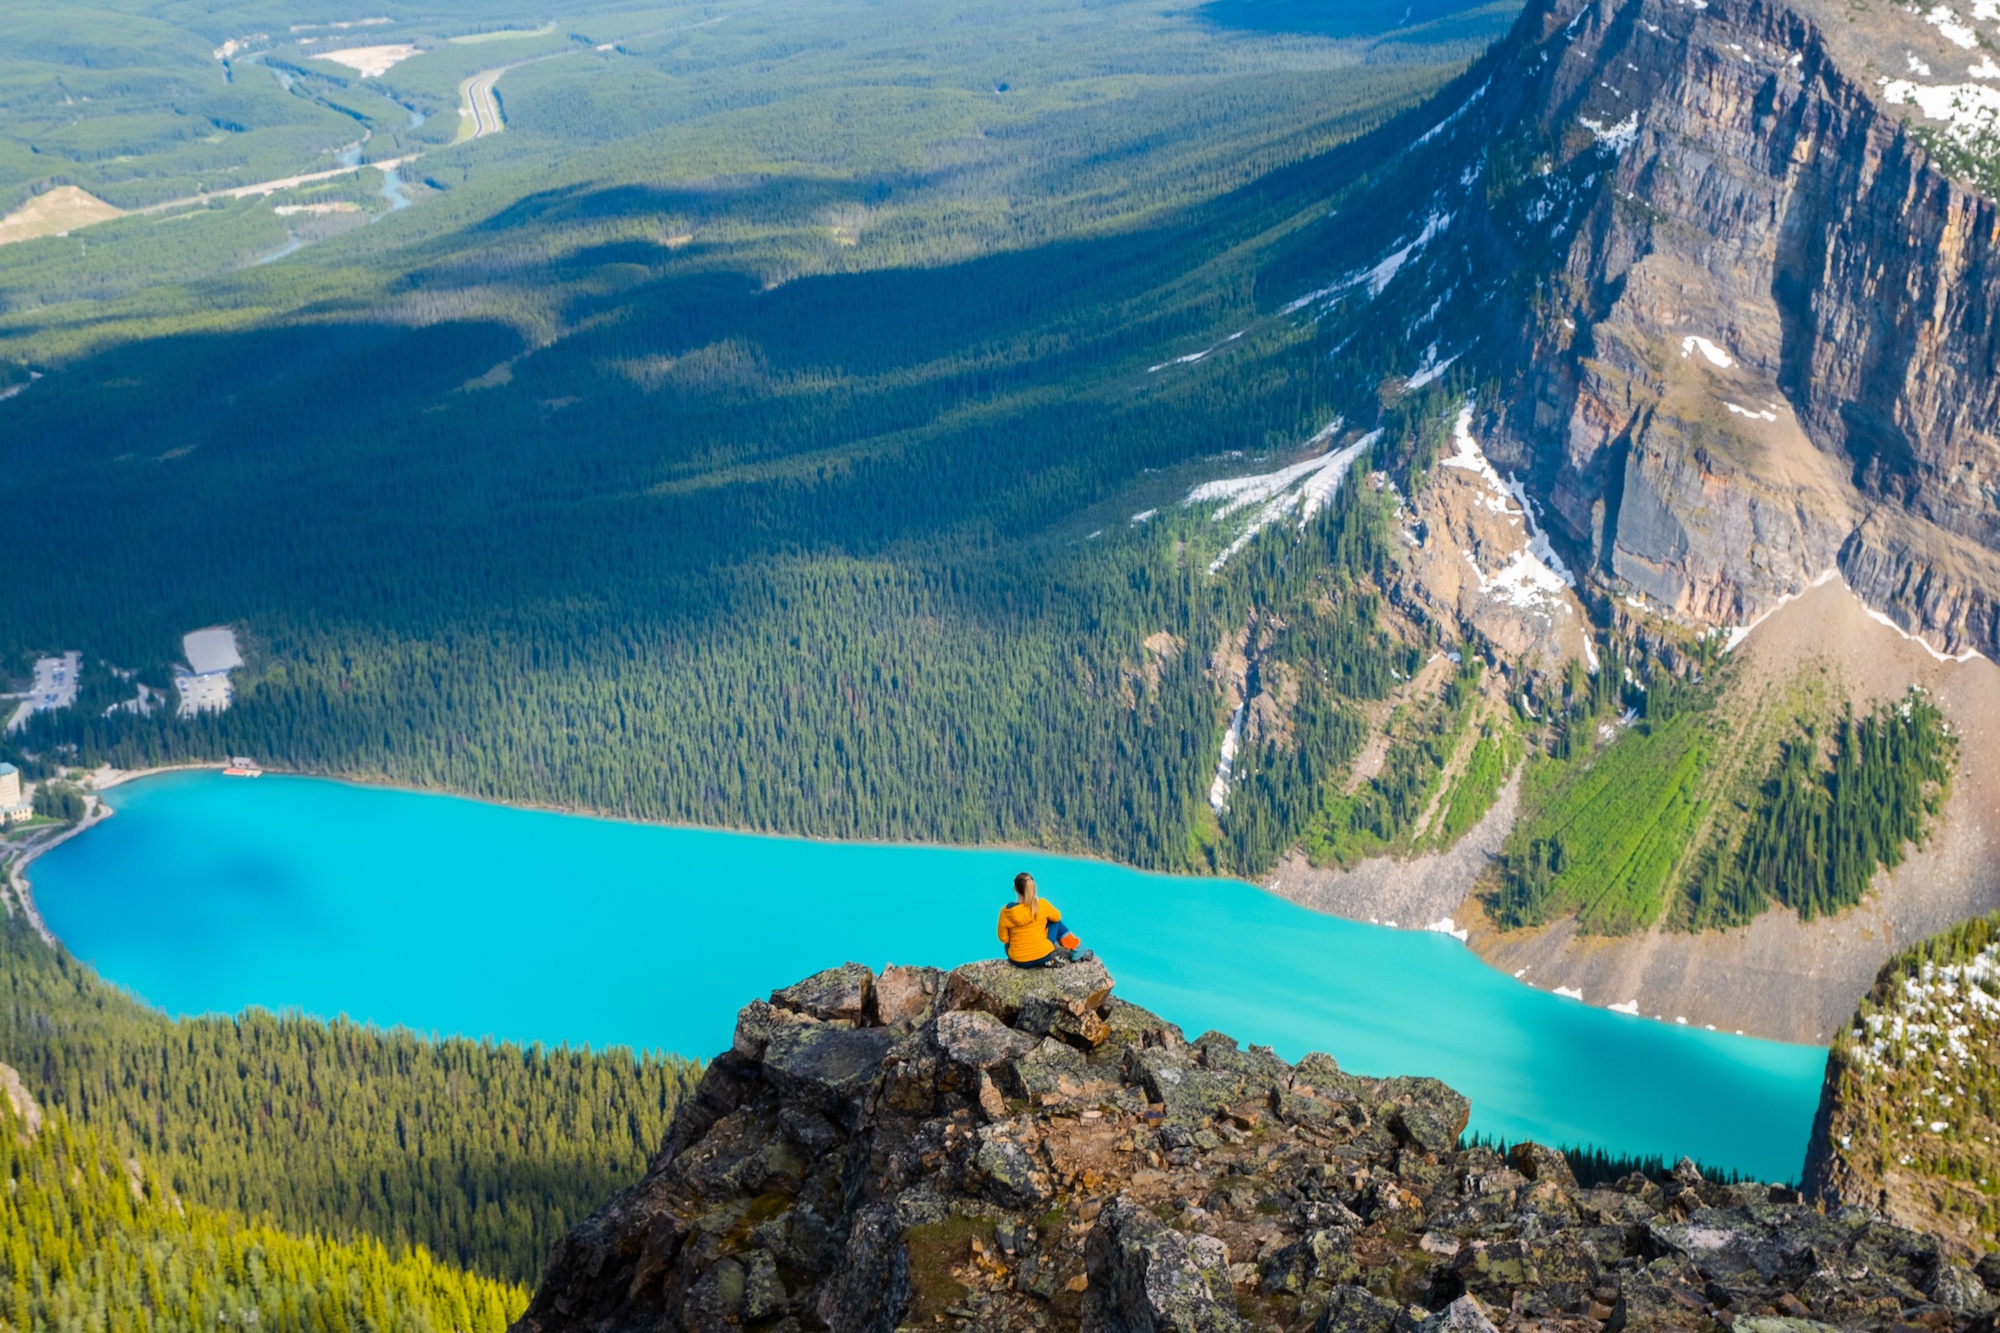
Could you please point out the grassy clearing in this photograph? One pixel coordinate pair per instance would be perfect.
(1495, 754)
(1718, 804)
(62, 209)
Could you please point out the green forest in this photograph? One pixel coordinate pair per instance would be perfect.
(1913, 1086)
(478, 1153)
(1669, 814)
(760, 530)
(90, 1239)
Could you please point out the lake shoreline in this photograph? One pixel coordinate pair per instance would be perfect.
(1288, 882)
(18, 883)
(211, 894)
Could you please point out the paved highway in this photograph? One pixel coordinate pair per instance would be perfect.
(478, 107)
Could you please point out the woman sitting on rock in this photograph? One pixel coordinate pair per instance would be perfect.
(1033, 930)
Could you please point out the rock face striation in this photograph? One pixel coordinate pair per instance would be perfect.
(1735, 323)
(997, 1149)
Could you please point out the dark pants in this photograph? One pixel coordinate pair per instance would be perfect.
(1057, 929)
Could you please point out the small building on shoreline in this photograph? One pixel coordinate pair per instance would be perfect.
(14, 807)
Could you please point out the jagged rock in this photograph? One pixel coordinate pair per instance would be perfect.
(1009, 1176)
(1001, 989)
(977, 1040)
(1535, 1162)
(1779, 1324)
(1959, 1289)
(1358, 1310)
(1051, 1072)
(1259, 1066)
(1461, 1316)
(1428, 1115)
(903, 994)
(839, 993)
(1055, 1016)
(1316, 1263)
(827, 1068)
(757, 1021)
(868, 1178)
(1296, 1109)
(1190, 1094)
(1129, 1025)
(1150, 1278)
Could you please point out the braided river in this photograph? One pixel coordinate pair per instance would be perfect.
(210, 894)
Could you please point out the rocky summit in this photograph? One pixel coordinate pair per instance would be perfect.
(993, 1148)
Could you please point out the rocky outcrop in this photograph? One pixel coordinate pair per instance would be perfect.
(1911, 1105)
(1024, 1150)
(25, 1108)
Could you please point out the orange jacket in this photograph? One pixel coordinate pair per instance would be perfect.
(1025, 930)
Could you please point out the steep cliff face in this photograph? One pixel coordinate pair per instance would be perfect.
(998, 1149)
(1740, 323)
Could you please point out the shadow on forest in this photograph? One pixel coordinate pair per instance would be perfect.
(413, 475)
(1419, 22)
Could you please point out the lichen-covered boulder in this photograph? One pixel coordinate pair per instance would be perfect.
(827, 1068)
(1008, 1174)
(1538, 1163)
(1050, 1073)
(1150, 1278)
(976, 1040)
(1426, 1114)
(1189, 1094)
(904, 994)
(757, 1021)
(1001, 989)
(837, 994)
(1461, 1316)
(1352, 1309)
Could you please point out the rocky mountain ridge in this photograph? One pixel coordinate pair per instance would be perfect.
(995, 1148)
(1735, 318)
(1715, 282)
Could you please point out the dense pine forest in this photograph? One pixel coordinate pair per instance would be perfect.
(695, 480)
(481, 1154)
(91, 1239)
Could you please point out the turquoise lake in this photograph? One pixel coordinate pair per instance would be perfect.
(208, 894)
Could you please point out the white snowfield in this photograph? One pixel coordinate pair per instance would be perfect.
(1948, 26)
(1299, 489)
(1711, 352)
(1381, 274)
(1535, 574)
(1193, 357)
(1971, 111)
(1225, 766)
(1617, 138)
(54, 687)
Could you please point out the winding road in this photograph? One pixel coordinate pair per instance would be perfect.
(478, 107)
